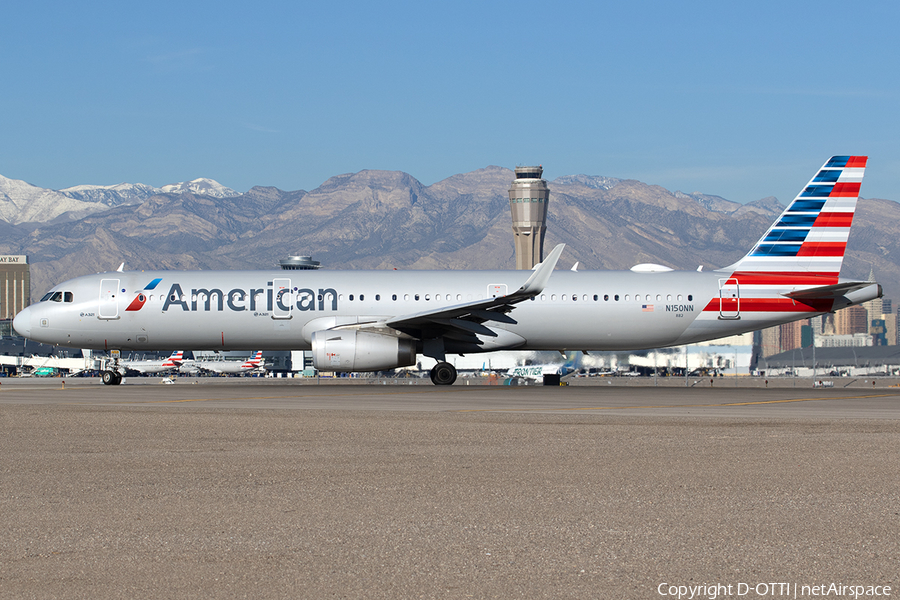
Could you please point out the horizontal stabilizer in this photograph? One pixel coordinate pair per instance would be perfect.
(828, 292)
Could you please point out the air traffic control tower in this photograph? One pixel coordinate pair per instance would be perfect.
(528, 198)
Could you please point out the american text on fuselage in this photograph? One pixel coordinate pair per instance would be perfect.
(239, 300)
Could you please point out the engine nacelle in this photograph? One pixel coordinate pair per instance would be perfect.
(353, 350)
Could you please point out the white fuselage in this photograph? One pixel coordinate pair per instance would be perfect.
(277, 310)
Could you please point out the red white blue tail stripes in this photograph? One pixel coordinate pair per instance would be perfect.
(174, 360)
(804, 249)
(253, 362)
(811, 234)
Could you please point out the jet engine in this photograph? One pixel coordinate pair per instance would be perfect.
(353, 350)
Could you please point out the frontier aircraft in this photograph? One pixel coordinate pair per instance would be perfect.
(380, 320)
(537, 372)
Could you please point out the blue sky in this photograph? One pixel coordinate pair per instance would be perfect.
(741, 100)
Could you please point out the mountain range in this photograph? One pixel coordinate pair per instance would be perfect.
(388, 219)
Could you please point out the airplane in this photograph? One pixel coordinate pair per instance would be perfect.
(537, 372)
(154, 366)
(381, 320)
(232, 366)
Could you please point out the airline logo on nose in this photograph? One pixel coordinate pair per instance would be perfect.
(141, 298)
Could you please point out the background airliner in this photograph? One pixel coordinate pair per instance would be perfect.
(154, 366)
(232, 366)
(378, 320)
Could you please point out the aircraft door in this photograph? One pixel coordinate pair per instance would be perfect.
(284, 299)
(109, 299)
(729, 299)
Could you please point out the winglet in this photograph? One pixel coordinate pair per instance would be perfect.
(538, 280)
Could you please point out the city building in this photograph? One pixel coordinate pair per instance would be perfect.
(850, 320)
(15, 285)
(854, 340)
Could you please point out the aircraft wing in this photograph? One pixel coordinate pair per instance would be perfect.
(464, 321)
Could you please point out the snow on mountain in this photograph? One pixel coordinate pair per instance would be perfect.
(134, 193)
(710, 202)
(201, 186)
(112, 195)
(21, 202)
(597, 182)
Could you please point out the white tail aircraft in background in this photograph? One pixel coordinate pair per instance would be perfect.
(232, 366)
(379, 320)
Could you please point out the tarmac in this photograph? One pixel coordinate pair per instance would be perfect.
(235, 488)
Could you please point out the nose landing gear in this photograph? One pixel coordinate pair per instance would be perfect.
(111, 378)
(111, 375)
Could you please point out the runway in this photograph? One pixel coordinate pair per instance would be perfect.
(239, 393)
(273, 489)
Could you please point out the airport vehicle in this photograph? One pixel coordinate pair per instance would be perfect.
(46, 372)
(222, 367)
(154, 366)
(378, 320)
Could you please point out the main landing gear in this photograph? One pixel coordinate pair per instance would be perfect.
(443, 373)
(111, 377)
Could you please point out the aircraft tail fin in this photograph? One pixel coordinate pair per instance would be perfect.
(253, 361)
(810, 236)
(175, 359)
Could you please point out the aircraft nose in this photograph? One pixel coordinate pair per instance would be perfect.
(22, 322)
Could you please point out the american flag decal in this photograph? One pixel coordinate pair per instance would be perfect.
(646, 308)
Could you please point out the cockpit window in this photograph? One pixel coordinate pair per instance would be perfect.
(58, 297)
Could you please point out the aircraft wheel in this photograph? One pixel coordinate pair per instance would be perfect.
(118, 378)
(443, 374)
(109, 378)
